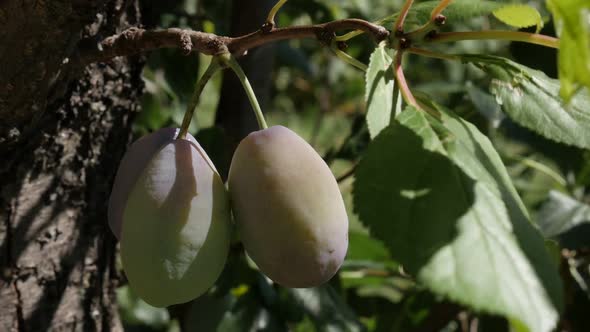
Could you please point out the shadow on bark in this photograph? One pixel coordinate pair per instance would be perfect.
(56, 252)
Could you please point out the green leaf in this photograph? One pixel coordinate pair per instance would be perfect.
(379, 93)
(388, 205)
(443, 203)
(532, 100)
(572, 20)
(365, 248)
(519, 16)
(561, 213)
(486, 105)
(457, 12)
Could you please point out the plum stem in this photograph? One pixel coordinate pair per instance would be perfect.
(349, 59)
(230, 61)
(273, 12)
(214, 66)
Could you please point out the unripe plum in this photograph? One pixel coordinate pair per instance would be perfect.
(134, 161)
(288, 208)
(174, 219)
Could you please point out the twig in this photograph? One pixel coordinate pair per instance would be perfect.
(439, 9)
(349, 59)
(324, 32)
(519, 36)
(135, 40)
(400, 79)
(401, 19)
(273, 12)
(431, 54)
(432, 26)
(407, 95)
(415, 36)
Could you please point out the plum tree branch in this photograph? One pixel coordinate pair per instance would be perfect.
(135, 40)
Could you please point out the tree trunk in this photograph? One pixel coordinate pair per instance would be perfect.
(62, 133)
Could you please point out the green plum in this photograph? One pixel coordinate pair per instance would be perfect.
(175, 220)
(288, 208)
(134, 161)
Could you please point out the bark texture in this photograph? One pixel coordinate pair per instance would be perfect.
(62, 134)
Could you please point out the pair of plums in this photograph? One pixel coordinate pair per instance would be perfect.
(172, 214)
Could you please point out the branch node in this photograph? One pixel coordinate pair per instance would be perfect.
(342, 45)
(216, 46)
(186, 43)
(404, 43)
(381, 34)
(325, 36)
(267, 27)
(130, 34)
(440, 20)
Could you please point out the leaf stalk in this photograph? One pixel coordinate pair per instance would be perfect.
(526, 37)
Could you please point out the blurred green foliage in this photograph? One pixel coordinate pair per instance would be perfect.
(322, 99)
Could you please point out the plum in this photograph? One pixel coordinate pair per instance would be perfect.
(134, 161)
(288, 208)
(172, 210)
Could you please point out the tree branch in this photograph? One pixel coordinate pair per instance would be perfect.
(135, 40)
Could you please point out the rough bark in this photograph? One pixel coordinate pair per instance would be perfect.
(61, 137)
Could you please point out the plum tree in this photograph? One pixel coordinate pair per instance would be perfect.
(288, 208)
(172, 211)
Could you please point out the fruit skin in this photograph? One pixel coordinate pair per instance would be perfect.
(175, 224)
(131, 167)
(288, 208)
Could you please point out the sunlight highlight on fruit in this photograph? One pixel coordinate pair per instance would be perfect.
(288, 208)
